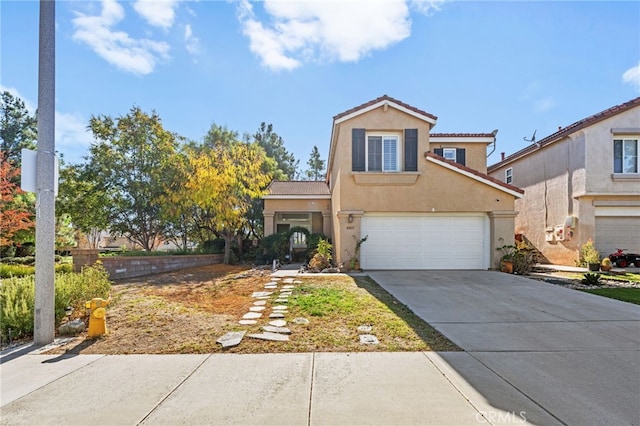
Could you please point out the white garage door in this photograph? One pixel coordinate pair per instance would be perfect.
(427, 241)
(617, 232)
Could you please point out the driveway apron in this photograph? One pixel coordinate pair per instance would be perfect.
(573, 354)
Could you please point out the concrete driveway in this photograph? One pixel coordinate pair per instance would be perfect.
(574, 355)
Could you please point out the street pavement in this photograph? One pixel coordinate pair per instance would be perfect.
(534, 354)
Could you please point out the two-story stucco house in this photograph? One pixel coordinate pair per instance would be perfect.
(422, 199)
(580, 183)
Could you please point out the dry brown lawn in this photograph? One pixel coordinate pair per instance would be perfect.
(187, 311)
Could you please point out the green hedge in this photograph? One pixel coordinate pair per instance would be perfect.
(17, 271)
(17, 298)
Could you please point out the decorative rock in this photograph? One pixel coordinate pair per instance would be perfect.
(301, 321)
(252, 315)
(257, 308)
(276, 337)
(247, 322)
(272, 329)
(276, 315)
(365, 329)
(261, 293)
(260, 303)
(368, 339)
(72, 327)
(233, 338)
(278, 323)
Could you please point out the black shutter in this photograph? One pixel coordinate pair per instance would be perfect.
(357, 150)
(438, 151)
(461, 156)
(411, 150)
(617, 156)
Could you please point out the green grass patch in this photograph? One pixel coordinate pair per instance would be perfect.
(626, 294)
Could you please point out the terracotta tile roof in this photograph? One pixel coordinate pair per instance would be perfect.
(572, 128)
(462, 135)
(380, 99)
(319, 188)
(475, 172)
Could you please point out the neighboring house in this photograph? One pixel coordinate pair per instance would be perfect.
(580, 183)
(422, 199)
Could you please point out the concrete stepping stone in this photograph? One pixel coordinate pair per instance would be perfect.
(297, 282)
(247, 322)
(272, 329)
(278, 323)
(232, 338)
(270, 287)
(365, 329)
(275, 279)
(275, 337)
(368, 339)
(288, 287)
(288, 281)
(252, 315)
(301, 321)
(276, 315)
(262, 293)
(257, 308)
(280, 308)
(282, 300)
(260, 303)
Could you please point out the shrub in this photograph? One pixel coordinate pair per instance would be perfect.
(17, 298)
(588, 254)
(17, 271)
(591, 278)
(215, 246)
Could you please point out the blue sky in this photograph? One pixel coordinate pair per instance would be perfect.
(512, 65)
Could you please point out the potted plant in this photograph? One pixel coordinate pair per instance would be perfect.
(506, 260)
(589, 256)
(606, 264)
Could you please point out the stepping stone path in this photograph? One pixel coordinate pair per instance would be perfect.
(368, 339)
(233, 338)
(275, 330)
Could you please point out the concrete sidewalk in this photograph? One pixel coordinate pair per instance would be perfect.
(413, 388)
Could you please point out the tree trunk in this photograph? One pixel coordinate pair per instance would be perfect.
(228, 239)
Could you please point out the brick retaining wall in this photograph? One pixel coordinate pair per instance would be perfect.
(120, 267)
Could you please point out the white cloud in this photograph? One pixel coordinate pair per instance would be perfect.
(159, 13)
(138, 56)
(72, 136)
(192, 42)
(545, 104)
(304, 31)
(427, 7)
(632, 76)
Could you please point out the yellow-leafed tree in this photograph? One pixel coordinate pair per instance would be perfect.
(225, 179)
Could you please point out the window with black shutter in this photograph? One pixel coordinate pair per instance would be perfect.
(411, 150)
(358, 160)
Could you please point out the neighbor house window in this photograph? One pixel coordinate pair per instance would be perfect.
(625, 156)
(508, 175)
(457, 155)
(382, 153)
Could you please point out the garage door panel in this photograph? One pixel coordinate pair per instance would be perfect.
(617, 232)
(423, 242)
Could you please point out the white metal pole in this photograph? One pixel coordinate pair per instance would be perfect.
(44, 315)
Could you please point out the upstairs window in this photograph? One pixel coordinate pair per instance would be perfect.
(625, 156)
(508, 175)
(382, 153)
(457, 155)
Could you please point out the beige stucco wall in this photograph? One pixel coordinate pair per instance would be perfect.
(476, 153)
(567, 178)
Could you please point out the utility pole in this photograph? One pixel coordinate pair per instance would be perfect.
(44, 315)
